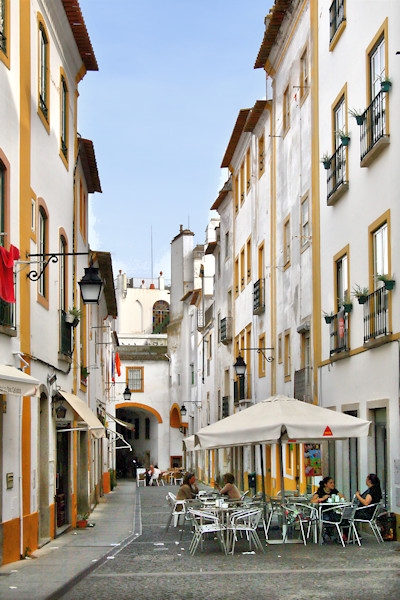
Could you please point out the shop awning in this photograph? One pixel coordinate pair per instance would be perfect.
(87, 415)
(129, 426)
(17, 383)
(117, 436)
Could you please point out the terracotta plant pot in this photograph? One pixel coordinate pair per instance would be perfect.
(81, 524)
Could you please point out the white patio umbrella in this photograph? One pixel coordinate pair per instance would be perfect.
(188, 443)
(281, 419)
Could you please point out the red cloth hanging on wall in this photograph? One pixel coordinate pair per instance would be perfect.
(7, 258)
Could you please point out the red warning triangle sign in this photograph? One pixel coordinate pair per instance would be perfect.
(327, 432)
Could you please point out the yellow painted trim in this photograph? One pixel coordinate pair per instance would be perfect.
(25, 169)
(315, 197)
(153, 411)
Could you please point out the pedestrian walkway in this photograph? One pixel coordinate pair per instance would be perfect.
(71, 556)
(129, 554)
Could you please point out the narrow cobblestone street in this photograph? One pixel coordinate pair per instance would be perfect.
(157, 566)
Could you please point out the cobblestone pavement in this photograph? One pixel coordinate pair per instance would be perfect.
(157, 566)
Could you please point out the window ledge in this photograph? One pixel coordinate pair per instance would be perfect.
(378, 341)
(338, 193)
(375, 151)
(339, 355)
(8, 330)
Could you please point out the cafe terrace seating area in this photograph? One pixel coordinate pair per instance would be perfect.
(257, 522)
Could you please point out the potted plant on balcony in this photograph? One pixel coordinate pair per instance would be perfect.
(326, 160)
(84, 374)
(388, 282)
(347, 303)
(73, 315)
(361, 293)
(82, 520)
(358, 115)
(344, 137)
(328, 317)
(386, 84)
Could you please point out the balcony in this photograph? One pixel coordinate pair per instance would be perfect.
(302, 385)
(337, 175)
(336, 17)
(373, 131)
(339, 333)
(376, 315)
(259, 297)
(225, 330)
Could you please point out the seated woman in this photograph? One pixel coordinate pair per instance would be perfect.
(372, 495)
(229, 488)
(188, 490)
(325, 490)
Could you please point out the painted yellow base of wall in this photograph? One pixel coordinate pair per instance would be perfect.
(106, 483)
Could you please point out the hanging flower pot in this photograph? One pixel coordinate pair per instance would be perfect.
(386, 84)
(345, 140)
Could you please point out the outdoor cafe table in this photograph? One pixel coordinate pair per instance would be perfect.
(224, 512)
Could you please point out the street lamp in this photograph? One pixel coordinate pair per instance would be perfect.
(240, 365)
(127, 394)
(183, 409)
(91, 284)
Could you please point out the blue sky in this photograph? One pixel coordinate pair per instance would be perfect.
(173, 75)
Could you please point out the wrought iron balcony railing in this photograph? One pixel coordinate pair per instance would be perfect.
(373, 127)
(225, 330)
(339, 333)
(376, 315)
(337, 172)
(7, 314)
(259, 297)
(336, 17)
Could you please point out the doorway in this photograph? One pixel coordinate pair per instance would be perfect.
(44, 472)
(62, 479)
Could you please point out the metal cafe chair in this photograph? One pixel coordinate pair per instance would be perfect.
(205, 522)
(361, 516)
(246, 522)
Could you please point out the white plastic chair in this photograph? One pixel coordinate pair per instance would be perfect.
(141, 477)
(178, 509)
(204, 523)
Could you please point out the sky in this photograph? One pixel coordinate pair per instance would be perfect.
(173, 75)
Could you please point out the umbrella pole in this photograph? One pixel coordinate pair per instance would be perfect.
(284, 523)
(263, 482)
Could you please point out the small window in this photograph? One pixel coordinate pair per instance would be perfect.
(160, 316)
(261, 357)
(242, 184)
(248, 170)
(304, 69)
(42, 248)
(242, 269)
(288, 358)
(236, 193)
(261, 155)
(336, 17)
(248, 257)
(305, 222)
(236, 275)
(43, 72)
(135, 379)
(342, 280)
(286, 110)
(227, 249)
(286, 242)
(4, 26)
(380, 250)
(64, 117)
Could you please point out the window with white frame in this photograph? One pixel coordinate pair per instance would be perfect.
(339, 117)
(43, 72)
(377, 67)
(380, 253)
(342, 281)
